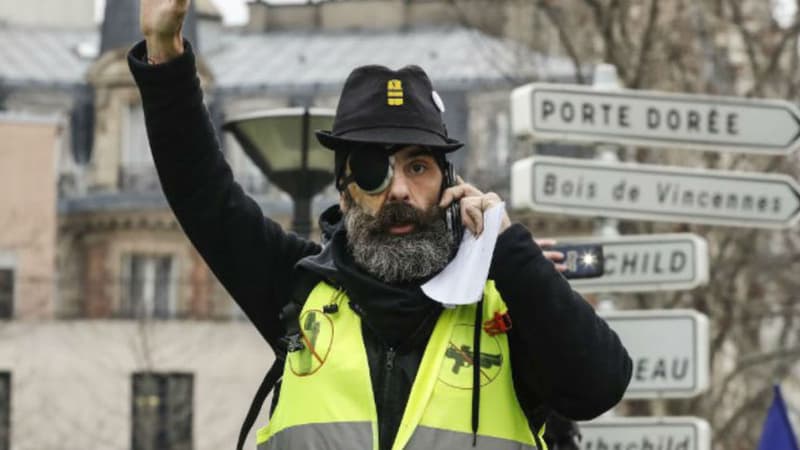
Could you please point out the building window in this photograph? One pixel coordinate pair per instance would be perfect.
(162, 406)
(5, 410)
(6, 294)
(148, 286)
(137, 172)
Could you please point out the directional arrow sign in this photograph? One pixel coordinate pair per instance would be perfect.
(655, 119)
(656, 433)
(649, 192)
(669, 349)
(651, 262)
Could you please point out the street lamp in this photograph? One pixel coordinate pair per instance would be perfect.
(281, 142)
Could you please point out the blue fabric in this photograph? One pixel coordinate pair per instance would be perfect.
(777, 433)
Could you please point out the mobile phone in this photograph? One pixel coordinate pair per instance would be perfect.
(453, 212)
(582, 260)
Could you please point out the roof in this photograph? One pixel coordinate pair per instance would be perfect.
(296, 59)
(120, 24)
(138, 201)
(44, 55)
(451, 56)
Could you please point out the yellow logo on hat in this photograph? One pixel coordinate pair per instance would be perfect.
(394, 93)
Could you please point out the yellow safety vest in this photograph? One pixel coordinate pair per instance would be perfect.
(326, 399)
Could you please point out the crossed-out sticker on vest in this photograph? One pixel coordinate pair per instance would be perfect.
(459, 358)
(317, 334)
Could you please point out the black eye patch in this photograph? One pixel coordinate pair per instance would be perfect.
(370, 169)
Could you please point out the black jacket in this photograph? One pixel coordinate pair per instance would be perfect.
(563, 356)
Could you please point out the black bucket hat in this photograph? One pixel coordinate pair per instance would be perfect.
(382, 106)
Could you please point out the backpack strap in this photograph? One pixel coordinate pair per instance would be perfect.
(292, 341)
(537, 418)
(272, 376)
(562, 433)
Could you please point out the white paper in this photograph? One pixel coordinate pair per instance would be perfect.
(463, 279)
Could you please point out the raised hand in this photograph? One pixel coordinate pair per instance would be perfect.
(161, 22)
(554, 256)
(473, 204)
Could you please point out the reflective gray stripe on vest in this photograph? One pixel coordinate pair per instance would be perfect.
(425, 438)
(322, 436)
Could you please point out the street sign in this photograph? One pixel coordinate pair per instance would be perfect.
(650, 262)
(655, 433)
(650, 192)
(669, 349)
(654, 119)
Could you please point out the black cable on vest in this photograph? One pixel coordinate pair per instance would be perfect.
(539, 445)
(288, 315)
(476, 371)
(266, 386)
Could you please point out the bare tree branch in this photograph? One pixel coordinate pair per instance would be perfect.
(747, 38)
(794, 66)
(647, 44)
(686, 45)
(605, 24)
(788, 35)
(622, 19)
(563, 36)
(755, 360)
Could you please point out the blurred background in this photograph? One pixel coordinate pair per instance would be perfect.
(115, 335)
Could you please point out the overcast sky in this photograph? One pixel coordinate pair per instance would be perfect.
(235, 11)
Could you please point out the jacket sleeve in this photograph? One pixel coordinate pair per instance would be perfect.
(251, 255)
(562, 353)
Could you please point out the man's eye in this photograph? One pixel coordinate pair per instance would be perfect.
(417, 168)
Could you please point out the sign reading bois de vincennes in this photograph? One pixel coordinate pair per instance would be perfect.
(646, 433)
(650, 262)
(655, 119)
(669, 349)
(650, 192)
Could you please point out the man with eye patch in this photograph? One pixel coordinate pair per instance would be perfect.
(396, 231)
(366, 359)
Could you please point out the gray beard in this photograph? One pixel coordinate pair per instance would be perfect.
(392, 258)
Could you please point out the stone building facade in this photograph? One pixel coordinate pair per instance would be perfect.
(128, 317)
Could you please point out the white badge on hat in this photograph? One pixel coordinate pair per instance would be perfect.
(437, 100)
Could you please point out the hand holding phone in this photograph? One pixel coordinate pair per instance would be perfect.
(453, 211)
(581, 260)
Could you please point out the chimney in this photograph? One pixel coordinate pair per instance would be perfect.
(265, 16)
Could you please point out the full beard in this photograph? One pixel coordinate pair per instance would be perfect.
(398, 258)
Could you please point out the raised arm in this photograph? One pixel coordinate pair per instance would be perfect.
(250, 255)
(161, 22)
(563, 354)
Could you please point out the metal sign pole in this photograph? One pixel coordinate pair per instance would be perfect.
(606, 78)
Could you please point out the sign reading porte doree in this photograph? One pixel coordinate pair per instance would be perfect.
(650, 192)
(655, 119)
(669, 349)
(650, 262)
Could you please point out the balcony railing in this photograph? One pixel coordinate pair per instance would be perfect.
(138, 179)
(145, 179)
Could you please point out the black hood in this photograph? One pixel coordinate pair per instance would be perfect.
(330, 222)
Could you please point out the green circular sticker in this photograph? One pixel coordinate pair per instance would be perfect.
(459, 358)
(317, 336)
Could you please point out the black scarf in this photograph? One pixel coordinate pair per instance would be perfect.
(394, 312)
